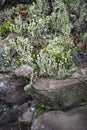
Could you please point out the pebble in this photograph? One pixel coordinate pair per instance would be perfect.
(2, 85)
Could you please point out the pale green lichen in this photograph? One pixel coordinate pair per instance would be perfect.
(84, 37)
(23, 49)
(56, 59)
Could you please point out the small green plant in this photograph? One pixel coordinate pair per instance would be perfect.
(40, 110)
(5, 28)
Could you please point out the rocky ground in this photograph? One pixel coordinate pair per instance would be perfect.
(47, 104)
(15, 105)
(63, 102)
(18, 101)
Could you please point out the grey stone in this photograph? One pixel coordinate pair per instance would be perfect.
(23, 71)
(12, 89)
(75, 119)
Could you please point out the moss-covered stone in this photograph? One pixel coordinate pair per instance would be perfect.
(60, 94)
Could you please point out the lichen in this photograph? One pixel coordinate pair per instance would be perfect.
(56, 59)
(33, 30)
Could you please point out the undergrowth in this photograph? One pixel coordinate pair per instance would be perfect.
(42, 41)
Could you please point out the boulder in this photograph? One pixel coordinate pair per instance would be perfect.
(75, 119)
(23, 114)
(26, 117)
(23, 71)
(60, 94)
(15, 126)
(9, 116)
(12, 90)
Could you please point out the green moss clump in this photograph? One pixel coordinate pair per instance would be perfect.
(5, 28)
(40, 110)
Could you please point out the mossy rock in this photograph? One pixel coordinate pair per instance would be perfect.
(60, 94)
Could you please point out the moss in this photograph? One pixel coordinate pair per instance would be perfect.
(5, 28)
(40, 110)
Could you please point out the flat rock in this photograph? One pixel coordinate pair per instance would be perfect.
(28, 113)
(60, 94)
(26, 117)
(75, 119)
(23, 71)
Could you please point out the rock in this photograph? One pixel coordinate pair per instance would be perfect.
(23, 98)
(26, 117)
(18, 117)
(10, 116)
(15, 126)
(3, 108)
(59, 94)
(75, 119)
(28, 113)
(80, 60)
(23, 71)
(12, 90)
(2, 85)
(80, 73)
(22, 113)
(23, 108)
